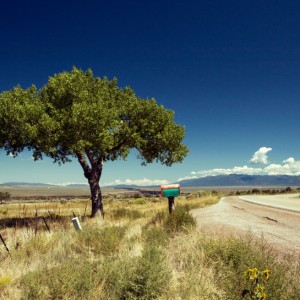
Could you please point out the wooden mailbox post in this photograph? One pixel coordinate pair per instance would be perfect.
(170, 191)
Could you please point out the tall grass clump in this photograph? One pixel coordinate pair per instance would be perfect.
(156, 236)
(176, 222)
(180, 220)
(195, 279)
(145, 277)
(196, 201)
(138, 201)
(232, 256)
(105, 241)
(149, 276)
(121, 213)
(77, 279)
(98, 268)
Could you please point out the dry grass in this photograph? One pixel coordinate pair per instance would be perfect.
(136, 252)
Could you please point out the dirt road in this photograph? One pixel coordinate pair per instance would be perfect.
(280, 228)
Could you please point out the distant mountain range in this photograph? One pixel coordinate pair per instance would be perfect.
(209, 181)
(38, 184)
(26, 184)
(242, 180)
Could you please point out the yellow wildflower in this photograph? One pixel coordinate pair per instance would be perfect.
(263, 296)
(254, 273)
(251, 273)
(266, 274)
(247, 273)
(4, 280)
(260, 292)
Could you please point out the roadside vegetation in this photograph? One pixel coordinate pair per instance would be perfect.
(267, 191)
(138, 251)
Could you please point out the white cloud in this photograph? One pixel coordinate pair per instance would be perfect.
(187, 177)
(67, 183)
(10, 154)
(260, 156)
(142, 182)
(274, 169)
(289, 166)
(234, 170)
(291, 161)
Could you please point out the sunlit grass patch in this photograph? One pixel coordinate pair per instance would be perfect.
(132, 214)
(195, 279)
(74, 279)
(198, 202)
(104, 241)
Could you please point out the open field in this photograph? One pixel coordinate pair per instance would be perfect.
(26, 191)
(48, 191)
(62, 191)
(138, 251)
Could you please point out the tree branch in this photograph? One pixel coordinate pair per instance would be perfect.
(90, 157)
(117, 147)
(84, 165)
(95, 164)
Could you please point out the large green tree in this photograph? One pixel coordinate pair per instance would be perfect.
(76, 115)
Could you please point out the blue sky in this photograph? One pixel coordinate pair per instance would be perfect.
(229, 69)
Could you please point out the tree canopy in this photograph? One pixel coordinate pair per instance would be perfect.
(91, 119)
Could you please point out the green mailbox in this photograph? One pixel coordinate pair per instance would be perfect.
(170, 190)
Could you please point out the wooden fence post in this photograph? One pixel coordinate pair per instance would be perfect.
(5, 245)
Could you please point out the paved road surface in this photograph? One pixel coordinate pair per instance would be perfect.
(285, 201)
(280, 227)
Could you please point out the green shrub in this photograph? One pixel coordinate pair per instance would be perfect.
(180, 220)
(137, 195)
(149, 195)
(149, 278)
(255, 191)
(4, 196)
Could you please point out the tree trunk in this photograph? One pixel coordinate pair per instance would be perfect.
(96, 197)
(93, 175)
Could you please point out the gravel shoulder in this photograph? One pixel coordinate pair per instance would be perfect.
(232, 215)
